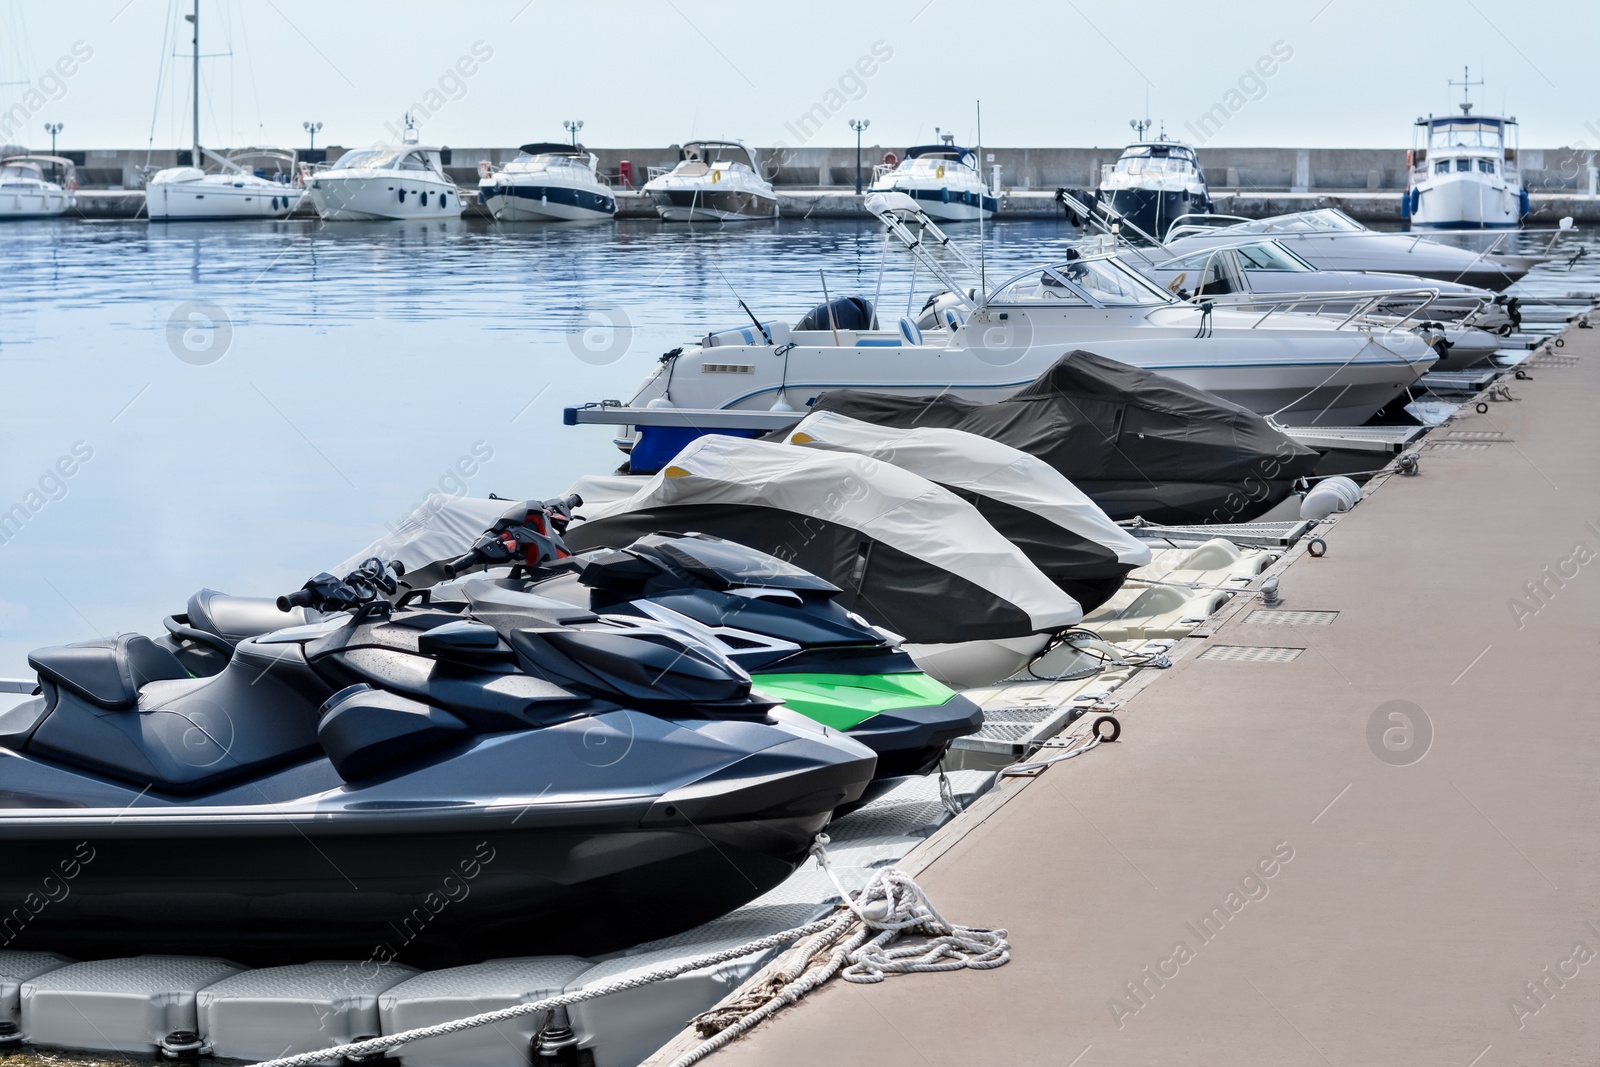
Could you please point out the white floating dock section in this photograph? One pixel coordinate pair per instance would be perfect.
(15, 969)
(123, 1005)
(434, 997)
(284, 1011)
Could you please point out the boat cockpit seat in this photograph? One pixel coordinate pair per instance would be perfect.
(108, 672)
(909, 332)
(953, 319)
(234, 618)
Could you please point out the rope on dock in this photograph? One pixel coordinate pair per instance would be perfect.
(857, 937)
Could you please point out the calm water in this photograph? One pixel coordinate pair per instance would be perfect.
(353, 369)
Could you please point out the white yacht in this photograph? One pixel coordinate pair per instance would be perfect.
(404, 182)
(1301, 369)
(714, 181)
(36, 187)
(547, 181)
(944, 180)
(241, 189)
(1465, 175)
(1328, 239)
(236, 191)
(1154, 183)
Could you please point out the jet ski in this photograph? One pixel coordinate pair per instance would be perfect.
(435, 786)
(1137, 443)
(781, 624)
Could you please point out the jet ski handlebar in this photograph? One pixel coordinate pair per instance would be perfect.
(528, 535)
(367, 584)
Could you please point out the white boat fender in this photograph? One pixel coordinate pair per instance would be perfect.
(852, 943)
(1329, 496)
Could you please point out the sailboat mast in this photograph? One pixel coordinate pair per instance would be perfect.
(195, 18)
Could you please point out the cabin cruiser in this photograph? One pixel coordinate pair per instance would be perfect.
(1464, 176)
(1328, 239)
(1154, 183)
(547, 182)
(1301, 369)
(943, 178)
(404, 182)
(36, 187)
(714, 181)
(255, 183)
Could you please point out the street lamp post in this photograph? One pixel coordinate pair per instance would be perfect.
(53, 128)
(312, 128)
(858, 125)
(573, 126)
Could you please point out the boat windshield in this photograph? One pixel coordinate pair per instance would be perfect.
(1467, 133)
(1104, 281)
(1156, 159)
(366, 157)
(1270, 255)
(21, 172)
(1325, 220)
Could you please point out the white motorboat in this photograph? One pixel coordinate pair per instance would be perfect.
(944, 179)
(1154, 183)
(1328, 239)
(240, 190)
(714, 181)
(544, 182)
(1464, 176)
(405, 182)
(1302, 369)
(36, 187)
(237, 191)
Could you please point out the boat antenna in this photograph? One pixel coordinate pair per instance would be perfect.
(763, 330)
(983, 274)
(1466, 84)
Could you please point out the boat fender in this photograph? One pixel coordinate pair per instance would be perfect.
(72, 185)
(484, 169)
(1328, 497)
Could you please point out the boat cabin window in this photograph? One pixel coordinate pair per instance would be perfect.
(1442, 166)
(1463, 165)
(1269, 255)
(365, 157)
(1486, 166)
(414, 161)
(1467, 133)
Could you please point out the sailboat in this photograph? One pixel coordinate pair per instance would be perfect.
(233, 192)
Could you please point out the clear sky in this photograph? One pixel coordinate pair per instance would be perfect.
(655, 72)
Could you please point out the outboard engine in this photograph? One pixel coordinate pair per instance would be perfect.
(841, 313)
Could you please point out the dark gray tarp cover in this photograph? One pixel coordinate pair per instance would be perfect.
(1136, 442)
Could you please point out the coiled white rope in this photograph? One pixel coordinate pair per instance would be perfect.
(859, 934)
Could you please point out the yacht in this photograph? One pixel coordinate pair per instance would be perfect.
(36, 187)
(1328, 239)
(1154, 183)
(1464, 175)
(943, 178)
(256, 183)
(547, 181)
(714, 181)
(236, 191)
(1300, 369)
(404, 182)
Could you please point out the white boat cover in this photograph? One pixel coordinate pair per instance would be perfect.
(439, 529)
(978, 465)
(913, 556)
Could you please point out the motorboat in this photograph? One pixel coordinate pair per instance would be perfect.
(1154, 183)
(404, 182)
(1465, 174)
(238, 190)
(943, 178)
(254, 183)
(714, 181)
(1302, 369)
(1328, 239)
(36, 187)
(1137, 444)
(547, 182)
(781, 624)
(1260, 273)
(1032, 504)
(901, 548)
(437, 786)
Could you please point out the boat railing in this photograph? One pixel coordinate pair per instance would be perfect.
(1359, 316)
(1179, 228)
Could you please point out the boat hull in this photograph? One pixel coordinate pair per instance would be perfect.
(1465, 203)
(385, 196)
(177, 201)
(1153, 210)
(546, 202)
(947, 204)
(34, 203)
(711, 204)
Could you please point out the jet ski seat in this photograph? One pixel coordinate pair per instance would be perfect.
(234, 618)
(124, 707)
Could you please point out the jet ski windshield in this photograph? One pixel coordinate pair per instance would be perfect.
(724, 565)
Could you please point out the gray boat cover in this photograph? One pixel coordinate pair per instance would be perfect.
(1065, 533)
(1136, 442)
(909, 555)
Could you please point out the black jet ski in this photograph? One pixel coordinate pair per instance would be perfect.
(420, 783)
(1139, 444)
(782, 624)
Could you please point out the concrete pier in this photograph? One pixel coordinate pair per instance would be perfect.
(1376, 847)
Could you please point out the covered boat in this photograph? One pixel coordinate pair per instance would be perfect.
(1137, 443)
(1032, 504)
